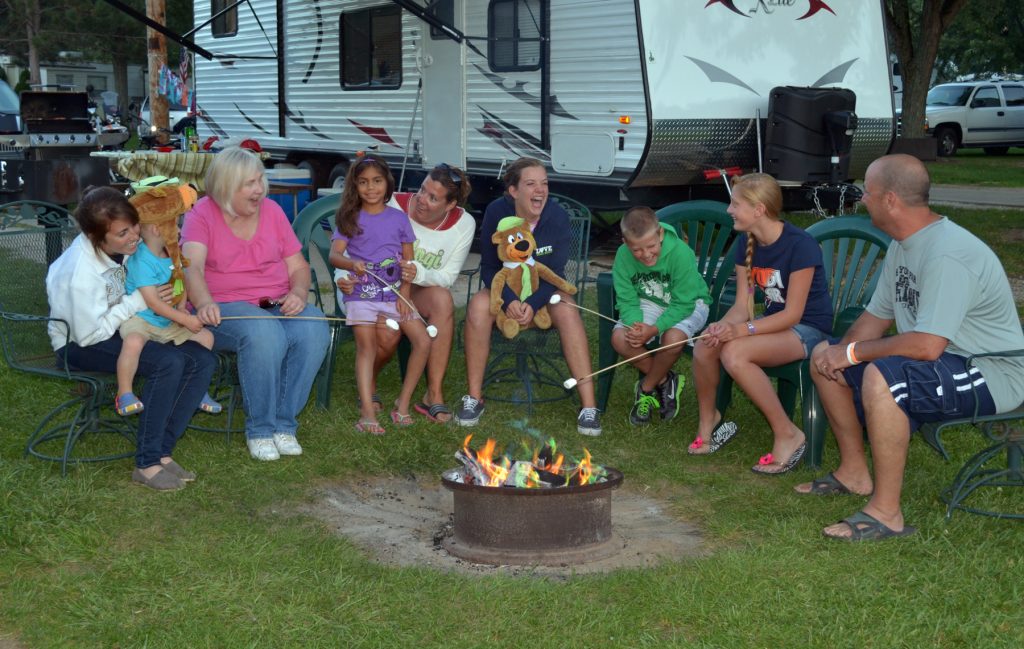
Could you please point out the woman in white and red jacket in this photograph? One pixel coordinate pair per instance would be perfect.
(444, 233)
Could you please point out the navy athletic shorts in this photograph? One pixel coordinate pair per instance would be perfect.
(927, 391)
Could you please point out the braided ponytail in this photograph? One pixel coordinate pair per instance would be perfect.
(757, 189)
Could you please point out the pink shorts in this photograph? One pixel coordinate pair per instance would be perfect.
(369, 310)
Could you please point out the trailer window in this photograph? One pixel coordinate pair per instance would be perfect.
(371, 49)
(514, 35)
(226, 24)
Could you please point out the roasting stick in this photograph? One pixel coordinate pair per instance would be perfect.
(431, 329)
(390, 322)
(571, 383)
(556, 298)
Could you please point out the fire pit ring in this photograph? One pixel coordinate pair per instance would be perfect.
(552, 526)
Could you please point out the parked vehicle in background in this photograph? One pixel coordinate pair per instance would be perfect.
(985, 114)
(176, 118)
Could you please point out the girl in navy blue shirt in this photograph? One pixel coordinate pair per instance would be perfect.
(785, 264)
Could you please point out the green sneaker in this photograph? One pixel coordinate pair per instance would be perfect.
(668, 395)
(640, 413)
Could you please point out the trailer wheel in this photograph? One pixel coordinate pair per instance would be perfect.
(948, 141)
(337, 177)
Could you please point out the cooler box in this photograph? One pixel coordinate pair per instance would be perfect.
(290, 201)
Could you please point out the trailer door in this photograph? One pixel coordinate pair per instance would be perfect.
(444, 89)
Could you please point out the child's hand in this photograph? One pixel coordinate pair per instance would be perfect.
(718, 333)
(359, 268)
(403, 308)
(638, 334)
(193, 324)
(346, 284)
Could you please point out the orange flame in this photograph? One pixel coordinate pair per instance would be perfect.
(496, 473)
(586, 469)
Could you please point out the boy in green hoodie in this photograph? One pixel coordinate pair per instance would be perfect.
(658, 293)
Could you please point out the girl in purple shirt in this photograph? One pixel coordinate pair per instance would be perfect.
(372, 241)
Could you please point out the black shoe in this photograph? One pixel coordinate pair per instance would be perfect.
(640, 413)
(668, 395)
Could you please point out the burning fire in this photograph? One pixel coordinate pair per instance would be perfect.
(547, 468)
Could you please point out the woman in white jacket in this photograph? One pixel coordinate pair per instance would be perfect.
(444, 233)
(86, 289)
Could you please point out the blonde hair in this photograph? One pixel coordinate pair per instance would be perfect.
(757, 189)
(638, 222)
(228, 172)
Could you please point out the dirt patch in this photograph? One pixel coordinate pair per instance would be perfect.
(8, 641)
(404, 522)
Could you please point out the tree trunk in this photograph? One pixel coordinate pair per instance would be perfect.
(33, 20)
(156, 47)
(120, 66)
(917, 48)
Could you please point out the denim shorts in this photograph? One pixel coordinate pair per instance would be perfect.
(809, 337)
(927, 391)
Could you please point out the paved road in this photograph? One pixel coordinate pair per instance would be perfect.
(967, 195)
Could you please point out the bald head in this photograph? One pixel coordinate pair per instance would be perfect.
(903, 175)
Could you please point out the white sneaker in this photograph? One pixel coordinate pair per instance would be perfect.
(263, 448)
(287, 444)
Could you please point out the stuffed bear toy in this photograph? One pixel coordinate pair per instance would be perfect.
(161, 201)
(521, 273)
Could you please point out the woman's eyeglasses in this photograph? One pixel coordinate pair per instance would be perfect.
(450, 170)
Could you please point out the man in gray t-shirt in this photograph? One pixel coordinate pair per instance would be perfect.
(949, 297)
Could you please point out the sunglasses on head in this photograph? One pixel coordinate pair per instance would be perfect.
(267, 303)
(450, 170)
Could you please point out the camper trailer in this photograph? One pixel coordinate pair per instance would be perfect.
(622, 99)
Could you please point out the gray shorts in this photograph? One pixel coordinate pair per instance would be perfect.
(689, 325)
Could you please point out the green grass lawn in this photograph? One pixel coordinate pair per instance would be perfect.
(974, 167)
(92, 561)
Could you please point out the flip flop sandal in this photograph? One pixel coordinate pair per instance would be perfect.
(401, 420)
(789, 465)
(370, 426)
(828, 485)
(432, 411)
(378, 403)
(720, 436)
(865, 527)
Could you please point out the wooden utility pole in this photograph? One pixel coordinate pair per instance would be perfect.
(156, 49)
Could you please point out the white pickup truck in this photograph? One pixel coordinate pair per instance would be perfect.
(985, 114)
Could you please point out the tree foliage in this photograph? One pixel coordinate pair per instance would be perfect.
(986, 38)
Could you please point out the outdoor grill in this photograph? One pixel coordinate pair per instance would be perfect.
(57, 140)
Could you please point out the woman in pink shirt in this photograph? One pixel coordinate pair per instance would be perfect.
(246, 261)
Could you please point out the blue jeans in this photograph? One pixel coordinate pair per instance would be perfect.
(177, 377)
(277, 362)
